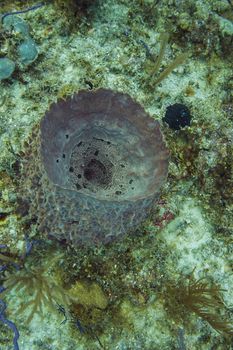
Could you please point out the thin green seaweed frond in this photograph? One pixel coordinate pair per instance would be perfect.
(164, 40)
(177, 61)
(155, 80)
(199, 297)
(7, 259)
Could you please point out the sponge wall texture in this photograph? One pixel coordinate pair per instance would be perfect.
(100, 163)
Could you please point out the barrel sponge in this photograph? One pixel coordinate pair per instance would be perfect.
(102, 161)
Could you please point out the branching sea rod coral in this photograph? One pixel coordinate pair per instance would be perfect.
(45, 292)
(102, 162)
(197, 296)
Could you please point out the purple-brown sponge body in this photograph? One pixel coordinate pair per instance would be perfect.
(101, 161)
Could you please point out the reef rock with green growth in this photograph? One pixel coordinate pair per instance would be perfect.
(17, 45)
(139, 291)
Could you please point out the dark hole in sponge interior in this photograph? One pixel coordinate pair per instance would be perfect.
(101, 166)
(89, 166)
(96, 172)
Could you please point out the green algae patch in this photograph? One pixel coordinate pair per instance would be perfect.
(89, 294)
